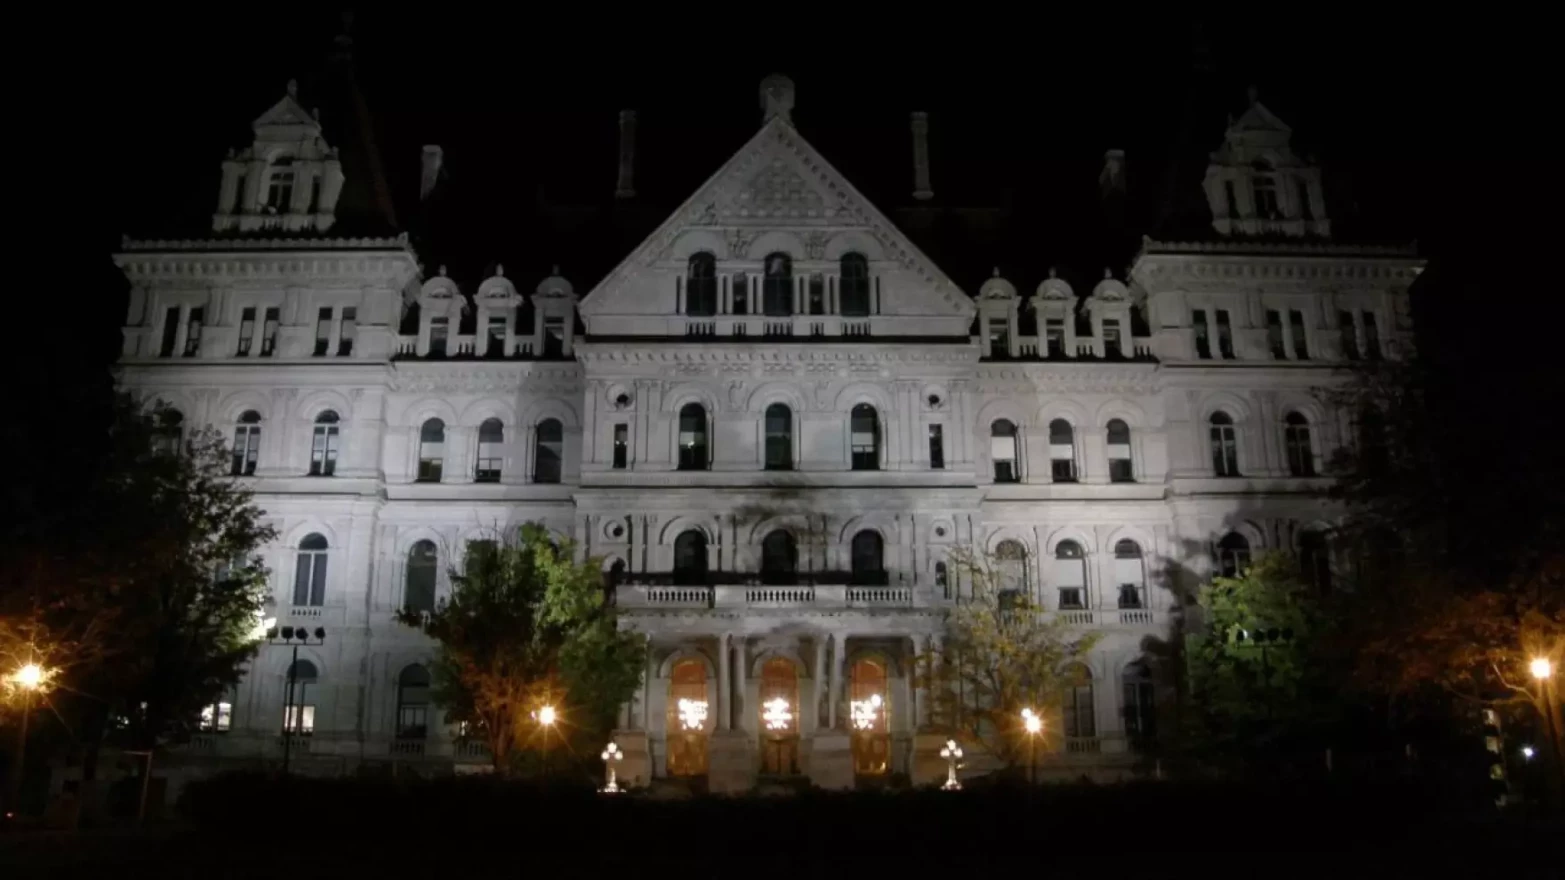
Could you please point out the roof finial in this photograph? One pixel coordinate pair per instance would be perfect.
(1053, 273)
(777, 96)
(1253, 93)
(997, 271)
(555, 269)
(293, 88)
(442, 269)
(1107, 272)
(499, 270)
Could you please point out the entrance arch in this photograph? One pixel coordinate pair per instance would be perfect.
(688, 718)
(779, 717)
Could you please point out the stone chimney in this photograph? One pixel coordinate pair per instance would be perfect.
(921, 190)
(626, 188)
(434, 157)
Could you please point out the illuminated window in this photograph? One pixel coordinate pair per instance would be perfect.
(688, 718)
(298, 704)
(431, 451)
(217, 717)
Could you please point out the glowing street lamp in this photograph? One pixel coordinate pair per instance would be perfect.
(1033, 724)
(952, 753)
(28, 679)
(1527, 752)
(611, 756)
(1541, 668)
(546, 716)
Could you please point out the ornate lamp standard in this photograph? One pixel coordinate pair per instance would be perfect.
(611, 756)
(546, 716)
(1033, 724)
(1542, 669)
(952, 753)
(293, 716)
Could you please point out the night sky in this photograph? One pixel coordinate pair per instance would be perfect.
(1416, 145)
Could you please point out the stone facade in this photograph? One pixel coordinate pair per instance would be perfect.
(779, 420)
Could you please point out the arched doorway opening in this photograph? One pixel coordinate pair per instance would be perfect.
(687, 718)
(869, 710)
(779, 721)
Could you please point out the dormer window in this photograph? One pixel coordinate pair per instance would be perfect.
(701, 286)
(777, 287)
(279, 188)
(1265, 188)
(854, 291)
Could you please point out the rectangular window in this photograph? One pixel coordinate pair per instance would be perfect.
(937, 448)
(621, 447)
(1233, 198)
(1111, 340)
(817, 294)
(1225, 335)
(741, 294)
(1203, 339)
(1305, 210)
(217, 717)
(496, 347)
(1371, 337)
(170, 332)
(269, 332)
(239, 194)
(350, 327)
(299, 720)
(1301, 347)
(1265, 196)
(1054, 337)
(279, 192)
(1274, 334)
(438, 330)
(999, 337)
(315, 194)
(246, 330)
(323, 451)
(193, 332)
(1349, 336)
(322, 332)
(554, 337)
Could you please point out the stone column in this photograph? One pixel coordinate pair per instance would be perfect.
(741, 674)
(834, 694)
(818, 681)
(723, 692)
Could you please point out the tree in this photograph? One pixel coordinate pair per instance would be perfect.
(527, 626)
(1258, 670)
(147, 588)
(1001, 653)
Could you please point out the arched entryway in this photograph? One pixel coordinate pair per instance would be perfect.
(869, 711)
(687, 718)
(779, 718)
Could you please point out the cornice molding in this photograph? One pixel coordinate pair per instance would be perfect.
(390, 268)
(546, 380)
(399, 242)
(716, 355)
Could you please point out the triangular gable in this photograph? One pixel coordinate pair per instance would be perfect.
(777, 180)
(288, 111)
(1258, 118)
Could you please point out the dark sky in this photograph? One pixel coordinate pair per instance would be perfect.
(1406, 114)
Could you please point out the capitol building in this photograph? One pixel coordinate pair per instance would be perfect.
(772, 420)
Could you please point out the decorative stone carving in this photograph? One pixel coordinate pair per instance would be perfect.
(815, 245)
(739, 242)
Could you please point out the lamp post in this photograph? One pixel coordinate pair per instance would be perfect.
(29, 679)
(1542, 669)
(293, 715)
(546, 716)
(1033, 724)
(952, 753)
(611, 756)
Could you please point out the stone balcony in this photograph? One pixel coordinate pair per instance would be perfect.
(804, 591)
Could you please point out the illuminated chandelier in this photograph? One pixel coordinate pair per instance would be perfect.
(865, 712)
(777, 715)
(692, 714)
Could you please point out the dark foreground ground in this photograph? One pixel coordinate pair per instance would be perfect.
(261, 827)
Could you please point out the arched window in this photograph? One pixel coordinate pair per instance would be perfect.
(692, 438)
(690, 558)
(1373, 456)
(1070, 574)
(1315, 561)
(777, 286)
(1062, 451)
(779, 437)
(1225, 445)
(413, 703)
(168, 432)
(701, 286)
(943, 580)
(868, 558)
(431, 450)
(1080, 714)
(1264, 180)
(1120, 470)
(491, 440)
(779, 717)
(1233, 555)
(309, 573)
(853, 286)
(419, 593)
(548, 451)
(1130, 574)
(779, 558)
(614, 575)
(247, 444)
(1010, 570)
(1139, 704)
(688, 718)
(869, 709)
(864, 438)
(1296, 441)
(298, 700)
(323, 446)
(1002, 449)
